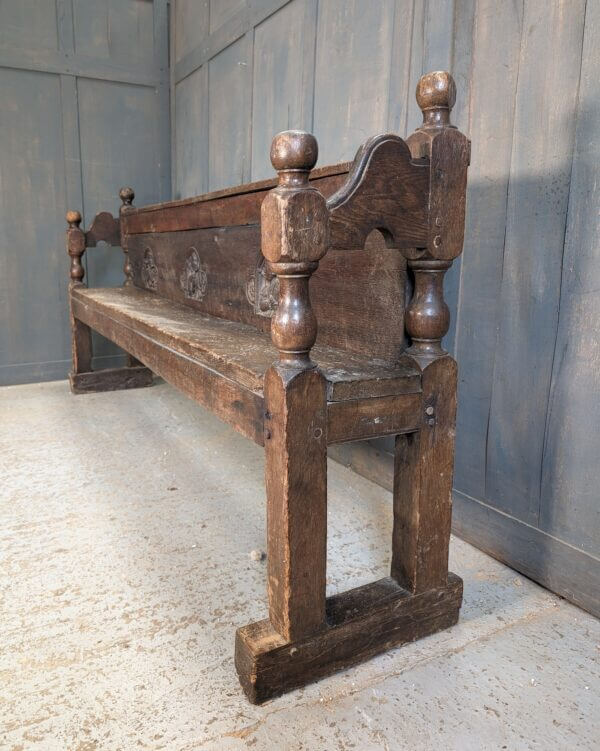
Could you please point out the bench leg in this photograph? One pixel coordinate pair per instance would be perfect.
(423, 485)
(307, 636)
(83, 380)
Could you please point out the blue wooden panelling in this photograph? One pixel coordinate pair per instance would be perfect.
(491, 131)
(352, 74)
(228, 123)
(84, 90)
(278, 77)
(538, 194)
(33, 270)
(191, 149)
(29, 23)
(570, 507)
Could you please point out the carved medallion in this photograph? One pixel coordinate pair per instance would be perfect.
(193, 279)
(149, 271)
(262, 290)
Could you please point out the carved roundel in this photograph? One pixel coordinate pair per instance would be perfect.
(193, 279)
(149, 270)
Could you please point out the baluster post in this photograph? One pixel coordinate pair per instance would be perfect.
(294, 220)
(126, 195)
(424, 459)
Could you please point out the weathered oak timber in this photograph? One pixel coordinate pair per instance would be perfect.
(366, 285)
(296, 484)
(229, 400)
(110, 379)
(240, 352)
(361, 623)
(295, 235)
(81, 336)
(370, 418)
(322, 260)
(385, 190)
(222, 208)
(422, 497)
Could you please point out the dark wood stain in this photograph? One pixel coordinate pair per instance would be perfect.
(321, 262)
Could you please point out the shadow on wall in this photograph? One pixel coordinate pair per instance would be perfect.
(525, 301)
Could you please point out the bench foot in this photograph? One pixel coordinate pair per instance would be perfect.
(361, 623)
(110, 379)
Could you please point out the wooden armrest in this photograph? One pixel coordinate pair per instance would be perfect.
(104, 228)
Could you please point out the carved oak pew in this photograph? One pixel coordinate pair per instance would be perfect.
(207, 278)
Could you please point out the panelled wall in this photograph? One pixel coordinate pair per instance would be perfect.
(526, 294)
(244, 70)
(84, 109)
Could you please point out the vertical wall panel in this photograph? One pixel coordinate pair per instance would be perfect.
(278, 79)
(116, 30)
(405, 64)
(570, 484)
(190, 20)
(222, 10)
(109, 163)
(540, 171)
(191, 134)
(496, 42)
(50, 125)
(352, 75)
(228, 121)
(33, 269)
(29, 23)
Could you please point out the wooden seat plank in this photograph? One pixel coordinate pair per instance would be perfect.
(239, 351)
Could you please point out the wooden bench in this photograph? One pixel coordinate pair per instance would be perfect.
(196, 308)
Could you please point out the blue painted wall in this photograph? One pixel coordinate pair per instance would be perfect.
(85, 110)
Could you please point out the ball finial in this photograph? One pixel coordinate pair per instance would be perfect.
(294, 150)
(73, 218)
(126, 195)
(436, 91)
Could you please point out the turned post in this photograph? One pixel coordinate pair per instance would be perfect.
(75, 247)
(294, 238)
(126, 195)
(294, 230)
(427, 317)
(81, 336)
(424, 459)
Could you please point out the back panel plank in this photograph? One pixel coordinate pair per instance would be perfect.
(221, 208)
(358, 296)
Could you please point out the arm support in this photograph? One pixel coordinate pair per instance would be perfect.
(294, 227)
(104, 228)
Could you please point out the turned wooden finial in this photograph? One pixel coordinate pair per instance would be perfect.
(436, 95)
(293, 154)
(294, 230)
(126, 195)
(73, 219)
(75, 246)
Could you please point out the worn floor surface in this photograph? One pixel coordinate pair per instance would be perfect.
(127, 523)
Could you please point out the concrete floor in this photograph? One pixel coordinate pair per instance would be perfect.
(128, 520)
